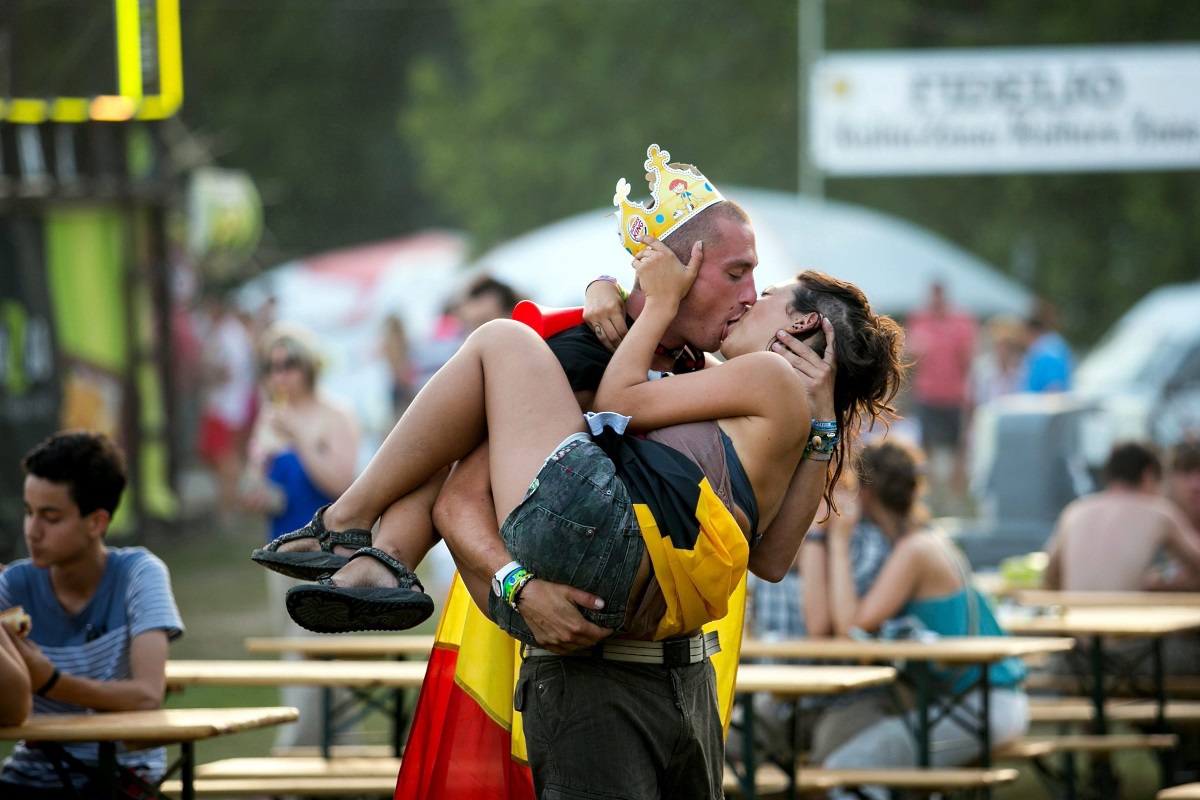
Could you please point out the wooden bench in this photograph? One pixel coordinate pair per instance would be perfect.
(295, 775)
(1189, 791)
(1177, 686)
(768, 779)
(915, 779)
(335, 751)
(1053, 757)
(1080, 710)
(337, 786)
(1033, 747)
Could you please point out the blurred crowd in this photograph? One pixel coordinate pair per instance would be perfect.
(959, 365)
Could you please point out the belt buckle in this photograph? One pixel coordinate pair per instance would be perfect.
(677, 653)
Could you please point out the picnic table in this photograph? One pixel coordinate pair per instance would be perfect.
(373, 684)
(138, 729)
(1100, 625)
(958, 651)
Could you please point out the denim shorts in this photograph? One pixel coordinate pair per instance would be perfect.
(576, 526)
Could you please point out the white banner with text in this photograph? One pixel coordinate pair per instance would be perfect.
(1067, 109)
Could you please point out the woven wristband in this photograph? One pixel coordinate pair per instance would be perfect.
(516, 592)
(621, 291)
(513, 584)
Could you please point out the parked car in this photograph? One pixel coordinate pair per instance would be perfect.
(1145, 373)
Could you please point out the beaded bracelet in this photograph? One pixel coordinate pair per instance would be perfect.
(624, 294)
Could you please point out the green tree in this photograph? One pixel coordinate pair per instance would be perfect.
(552, 101)
(304, 96)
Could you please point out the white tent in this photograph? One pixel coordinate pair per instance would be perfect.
(892, 260)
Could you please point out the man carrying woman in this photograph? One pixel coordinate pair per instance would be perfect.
(660, 530)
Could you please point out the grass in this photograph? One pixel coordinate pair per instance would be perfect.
(222, 597)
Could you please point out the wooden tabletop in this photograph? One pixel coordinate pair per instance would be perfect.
(162, 726)
(390, 645)
(803, 679)
(1103, 621)
(945, 649)
(355, 674)
(1048, 597)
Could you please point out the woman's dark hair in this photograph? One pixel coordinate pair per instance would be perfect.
(88, 463)
(893, 471)
(868, 349)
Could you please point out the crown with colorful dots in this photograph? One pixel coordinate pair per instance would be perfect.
(679, 192)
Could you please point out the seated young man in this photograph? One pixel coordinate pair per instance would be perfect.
(102, 616)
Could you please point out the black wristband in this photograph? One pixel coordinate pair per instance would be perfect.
(49, 684)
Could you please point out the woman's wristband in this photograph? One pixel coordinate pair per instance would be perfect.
(624, 294)
(49, 684)
(823, 442)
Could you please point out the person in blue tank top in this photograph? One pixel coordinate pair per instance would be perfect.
(303, 454)
(923, 578)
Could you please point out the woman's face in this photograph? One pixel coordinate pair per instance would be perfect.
(756, 329)
(285, 375)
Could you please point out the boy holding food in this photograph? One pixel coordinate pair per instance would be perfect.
(101, 617)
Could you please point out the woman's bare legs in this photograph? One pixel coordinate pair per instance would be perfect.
(503, 384)
(405, 533)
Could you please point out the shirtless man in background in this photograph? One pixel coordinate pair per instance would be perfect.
(1115, 539)
(1109, 541)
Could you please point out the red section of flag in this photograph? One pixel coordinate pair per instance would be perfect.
(455, 750)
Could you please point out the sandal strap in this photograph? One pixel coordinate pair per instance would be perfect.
(327, 539)
(351, 537)
(405, 578)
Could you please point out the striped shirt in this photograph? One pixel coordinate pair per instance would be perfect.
(134, 596)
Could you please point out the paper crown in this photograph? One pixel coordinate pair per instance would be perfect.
(679, 192)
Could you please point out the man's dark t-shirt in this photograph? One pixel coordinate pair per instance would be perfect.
(584, 358)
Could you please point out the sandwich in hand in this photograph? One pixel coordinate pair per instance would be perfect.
(16, 620)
